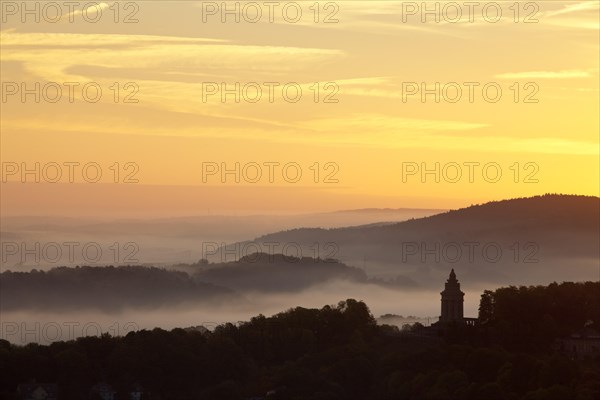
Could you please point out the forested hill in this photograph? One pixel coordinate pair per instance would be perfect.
(336, 352)
(574, 214)
(114, 288)
(552, 233)
(102, 288)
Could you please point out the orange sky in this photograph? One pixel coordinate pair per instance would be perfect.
(369, 63)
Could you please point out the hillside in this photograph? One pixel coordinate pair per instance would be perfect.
(266, 273)
(165, 241)
(145, 288)
(103, 288)
(551, 232)
(337, 352)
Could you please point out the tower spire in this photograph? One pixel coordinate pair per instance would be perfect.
(452, 300)
(452, 275)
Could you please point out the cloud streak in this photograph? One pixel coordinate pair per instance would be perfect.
(566, 74)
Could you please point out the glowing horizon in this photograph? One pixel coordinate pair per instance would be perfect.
(360, 122)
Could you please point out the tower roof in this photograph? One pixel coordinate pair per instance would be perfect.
(452, 300)
(452, 278)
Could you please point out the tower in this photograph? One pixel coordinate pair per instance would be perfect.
(452, 300)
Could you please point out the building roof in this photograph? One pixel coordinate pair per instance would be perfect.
(28, 389)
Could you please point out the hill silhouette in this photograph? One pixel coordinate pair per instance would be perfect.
(337, 352)
(103, 288)
(558, 232)
(144, 288)
(277, 273)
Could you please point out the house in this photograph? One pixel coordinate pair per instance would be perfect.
(136, 392)
(582, 344)
(103, 391)
(37, 391)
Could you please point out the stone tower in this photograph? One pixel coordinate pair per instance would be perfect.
(452, 301)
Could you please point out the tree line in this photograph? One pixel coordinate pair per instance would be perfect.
(335, 352)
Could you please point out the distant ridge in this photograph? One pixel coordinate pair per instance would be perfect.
(542, 206)
(376, 210)
(548, 208)
(540, 235)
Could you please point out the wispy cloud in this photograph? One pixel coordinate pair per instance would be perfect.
(566, 74)
(95, 8)
(62, 57)
(582, 15)
(574, 8)
(374, 130)
(379, 123)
